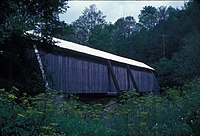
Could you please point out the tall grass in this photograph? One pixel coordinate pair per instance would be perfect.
(174, 113)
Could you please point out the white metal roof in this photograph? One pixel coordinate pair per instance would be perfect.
(94, 52)
(98, 53)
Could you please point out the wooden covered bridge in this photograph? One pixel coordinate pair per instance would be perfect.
(79, 69)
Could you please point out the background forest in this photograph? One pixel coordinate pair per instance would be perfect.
(165, 38)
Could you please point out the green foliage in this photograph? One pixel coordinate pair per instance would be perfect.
(124, 29)
(148, 17)
(19, 66)
(53, 113)
(176, 112)
(14, 119)
(164, 70)
(27, 116)
(84, 25)
(185, 68)
(20, 16)
(16, 18)
(101, 38)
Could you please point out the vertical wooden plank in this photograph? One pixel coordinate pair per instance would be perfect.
(97, 78)
(152, 81)
(104, 82)
(75, 75)
(93, 78)
(128, 80)
(123, 79)
(101, 78)
(60, 70)
(90, 76)
(76, 86)
(70, 74)
(63, 73)
(80, 72)
(110, 68)
(132, 78)
(56, 71)
(140, 80)
(105, 78)
(85, 76)
(80, 68)
(67, 74)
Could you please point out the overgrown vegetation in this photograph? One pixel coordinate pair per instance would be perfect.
(166, 38)
(174, 113)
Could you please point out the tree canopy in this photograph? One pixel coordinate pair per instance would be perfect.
(16, 18)
(20, 16)
(158, 38)
(84, 25)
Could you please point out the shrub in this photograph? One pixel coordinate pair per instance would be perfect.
(53, 113)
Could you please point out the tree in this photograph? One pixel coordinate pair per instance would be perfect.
(187, 60)
(164, 72)
(124, 28)
(16, 18)
(148, 17)
(162, 14)
(84, 25)
(65, 32)
(101, 38)
(20, 16)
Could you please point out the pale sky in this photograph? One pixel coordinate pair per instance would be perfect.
(114, 9)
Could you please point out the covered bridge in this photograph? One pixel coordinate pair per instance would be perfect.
(79, 69)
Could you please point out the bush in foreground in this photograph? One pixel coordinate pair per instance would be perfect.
(54, 114)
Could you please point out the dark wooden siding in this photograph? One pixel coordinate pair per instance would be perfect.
(144, 80)
(121, 75)
(75, 74)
